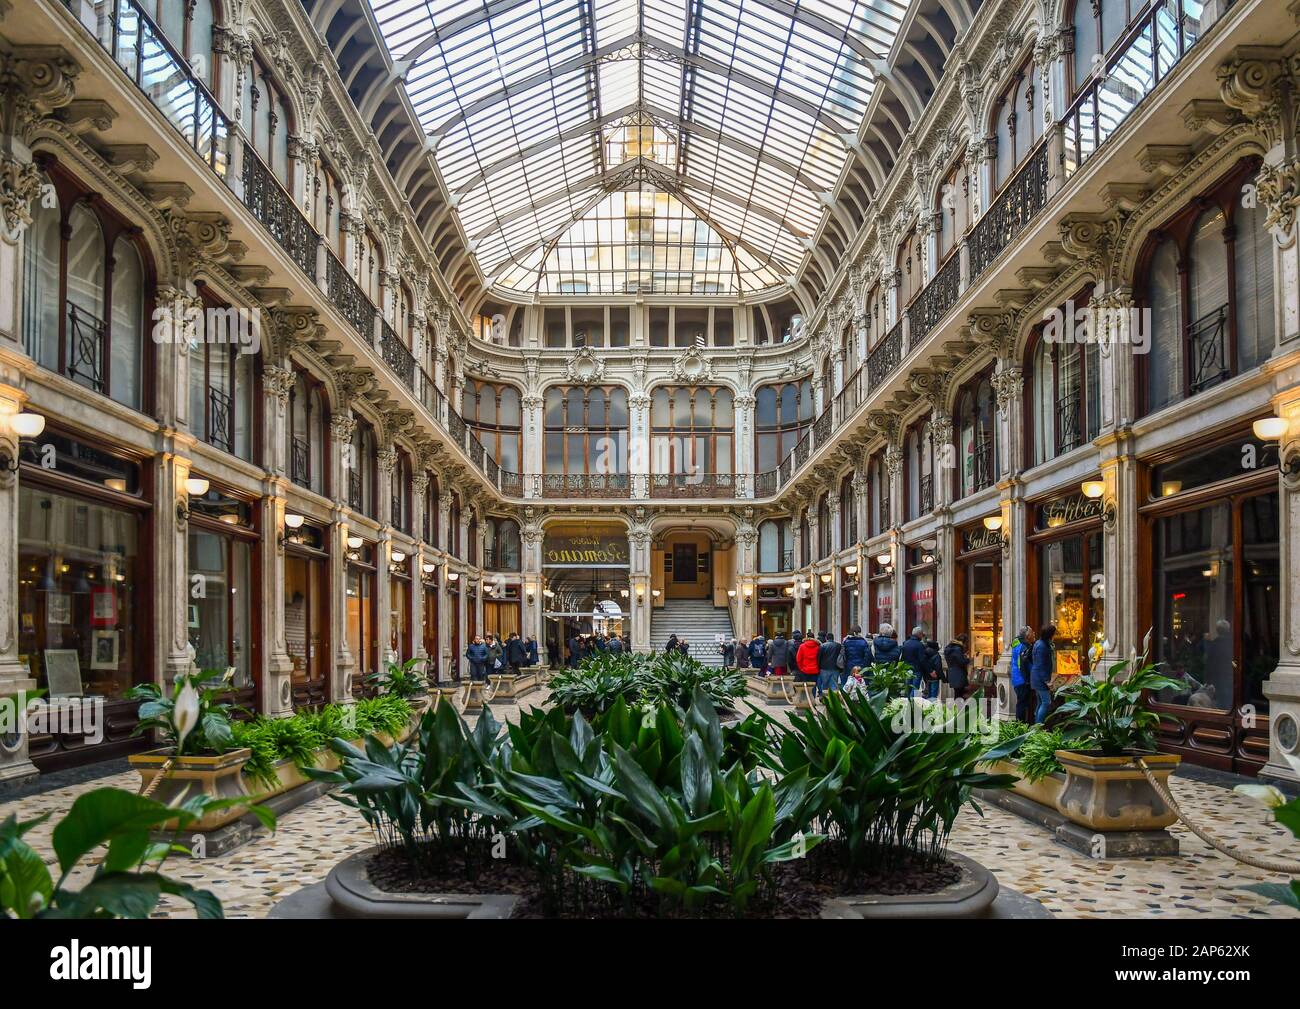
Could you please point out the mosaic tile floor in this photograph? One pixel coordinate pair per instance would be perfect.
(1199, 883)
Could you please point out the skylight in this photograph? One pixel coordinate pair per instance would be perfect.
(600, 146)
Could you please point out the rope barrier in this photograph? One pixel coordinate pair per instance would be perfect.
(1267, 864)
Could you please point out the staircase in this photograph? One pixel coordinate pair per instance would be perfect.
(696, 620)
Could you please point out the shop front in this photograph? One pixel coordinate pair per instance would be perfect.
(84, 620)
(306, 613)
(1212, 532)
(1067, 577)
(587, 580)
(361, 612)
(920, 575)
(978, 593)
(880, 591)
(502, 611)
(400, 640)
(775, 611)
(850, 599)
(429, 620)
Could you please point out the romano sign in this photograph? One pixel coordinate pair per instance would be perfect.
(585, 550)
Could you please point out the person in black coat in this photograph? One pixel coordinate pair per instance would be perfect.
(575, 650)
(516, 654)
(933, 672)
(671, 644)
(913, 653)
(886, 645)
(954, 654)
(758, 653)
(828, 663)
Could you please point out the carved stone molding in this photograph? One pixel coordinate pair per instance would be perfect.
(585, 367)
(692, 367)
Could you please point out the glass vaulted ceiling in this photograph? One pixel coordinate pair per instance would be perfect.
(611, 146)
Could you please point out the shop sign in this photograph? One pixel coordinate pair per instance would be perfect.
(1066, 510)
(580, 549)
(979, 538)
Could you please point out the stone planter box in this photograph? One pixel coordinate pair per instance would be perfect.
(971, 896)
(510, 688)
(220, 777)
(781, 690)
(1045, 790)
(1111, 793)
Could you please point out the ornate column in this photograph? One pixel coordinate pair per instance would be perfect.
(419, 488)
(446, 619)
(532, 460)
(534, 622)
(342, 427)
(1283, 685)
(639, 543)
(639, 462)
(15, 676)
(277, 675)
(743, 606)
(1009, 385)
(386, 459)
(744, 406)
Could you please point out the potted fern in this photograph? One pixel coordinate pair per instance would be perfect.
(1107, 719)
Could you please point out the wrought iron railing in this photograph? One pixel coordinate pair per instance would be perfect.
(87, 349)
(396, 355)
(456, 426)
(139, 47)
(346, 295)
(696, 485)
(220, 431)
(885, 356)
(1152, 48)
(511, 483)
(431, 396)
(1207, 350)
(821, 429)
(982, 462)
(278, 214)
(1018, 203)
(935, 300)
(356, 500)
(397, 514)
(851, 396)
(765, 483)
(1069, 434)
(300, 464)
(926, 488)
(603, 485)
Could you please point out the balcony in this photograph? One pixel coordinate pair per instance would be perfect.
(396, 355)
(693, 485)
(275, 210)
(1069, 435)
(220, 407)
(299, 462)
(1018, 204)
(1207, 350)
(886, 356)
(511, 484)
(593, 485)
(936, 300)
(346, 296)
(84, 358)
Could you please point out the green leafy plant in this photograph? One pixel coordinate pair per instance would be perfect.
(599, 681)
(1037, 754)
(883, 790)
(1110, 713)
(386, 713)
(193, 718)
(403, 679)
(894, 679)
(127, 882)
(1009, 729)
(1286, 813)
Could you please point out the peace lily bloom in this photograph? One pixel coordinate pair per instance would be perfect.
(1268, 795)
(185, 712)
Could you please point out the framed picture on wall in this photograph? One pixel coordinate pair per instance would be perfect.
(103, 607)
(193, 616)
(63, 672)
(103, 650)
(58, 608)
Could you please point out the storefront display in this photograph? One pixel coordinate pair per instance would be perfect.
(1067, 577)
(219, 614)
(361, 615)
(979, 593)
(920, 590)
(306, 614)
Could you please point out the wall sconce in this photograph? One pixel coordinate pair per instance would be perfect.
(789, 590)
(293, 521)
(194, 486)
(1275, 429)
(355, 542)
(453, 576)
(548, 593)
(884, 559)
(655, 593)
(428, 567)
(1094, 490)
(992, 523)
(826, 579)
(397, 556)
(26, 426)
(731, 593)
(851, 570)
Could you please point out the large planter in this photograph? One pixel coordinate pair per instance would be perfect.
(1111, 793)
(1046, 791)
(971, 896)
(220, 777)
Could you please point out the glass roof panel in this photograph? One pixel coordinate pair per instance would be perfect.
(717, 122)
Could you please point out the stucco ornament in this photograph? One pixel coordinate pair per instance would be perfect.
(692, 367)
(584, 367)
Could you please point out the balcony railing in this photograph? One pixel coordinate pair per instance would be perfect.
(885, 356)
(765, 483)
(300, 465)
(144, 54)
(278, 214)
(220, 407)
(851, 396)
(1024, 196)
(431, 396)
(396, 355)
(935, 300)
(602, 485)
(346, 295)
(982, 463)
(356, 500)
(1154, 47)
(1207, 349)
(87, 344)
(926, 489)
(511, 483)
(1068, 433)
(694, 485)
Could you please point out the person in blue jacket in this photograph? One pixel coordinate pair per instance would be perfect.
(857, 653)
(477, 654)
(758, 653)
(913, 653)
(1042, 667)
(886, 645)
(1020, 655)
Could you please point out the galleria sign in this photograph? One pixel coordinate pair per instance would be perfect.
(586, 550)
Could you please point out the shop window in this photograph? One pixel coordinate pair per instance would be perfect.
(776, 546)
(360, 604)
(220, 606)
(586, 430)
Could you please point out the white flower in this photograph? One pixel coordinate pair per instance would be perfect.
(1267, 795)
(185, 713)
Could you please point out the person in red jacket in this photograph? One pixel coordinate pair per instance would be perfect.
(805, 660)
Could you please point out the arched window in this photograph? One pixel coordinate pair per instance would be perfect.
(431, 516)
(86, 292)
(586, 430)
(222, 380)
(453, 526)
(848, 512)
(400, 492)
(954, 204)
(493, 411)
(1017, 122)
(781, 415)
(825, 539)
(878, 515)
(307, 434)
(501, 550)
(327, 205)
(977, 434)
(805, 539)
(1207, 279)
(918, 465)
(267, 119)
(361, 469)
(370, 267)
(692, 430)
(877, 312)
(776, 546)
(1066, 373)
(911, 269)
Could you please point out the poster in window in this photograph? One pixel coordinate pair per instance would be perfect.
(62, 672)
(103, 607)
(58, 608)
(103, 650)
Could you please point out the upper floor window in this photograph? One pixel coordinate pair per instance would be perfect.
(306, 433)
(493, 411)
(267, 118)
(361, 469)
(954, 207)
(188, 29)
(431, 517)
(1208, 280)
(692, 430)
(1017, 122)
(918, 459)
(976, 427)
(848, 512)
(877, 312)
(825, 532)
(221, 380)
(878, 515)
(776, 545)
(1066, 375)
(453, 526)
(327, 205)
(1098, 25)
(400, 493)
(586, 429)
(781, 414)
(370, 267)
(85, 294)
(501, 549)
(805, 539)
(911, 269)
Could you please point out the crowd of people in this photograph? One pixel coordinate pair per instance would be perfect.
(830, 665)
(488, 654)
(581, 646)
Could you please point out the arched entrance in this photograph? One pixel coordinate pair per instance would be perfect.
(586, 583)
